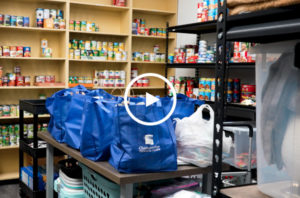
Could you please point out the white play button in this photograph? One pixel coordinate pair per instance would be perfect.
(150, 99)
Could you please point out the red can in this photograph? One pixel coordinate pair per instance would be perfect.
(140, 83)
(19, 80)
(145, 82)
(27, 80)
(52, 79)
(248, 88)
(147, 31)
(47, 79)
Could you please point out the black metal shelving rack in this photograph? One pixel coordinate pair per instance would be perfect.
(36, 107)
(272, 25)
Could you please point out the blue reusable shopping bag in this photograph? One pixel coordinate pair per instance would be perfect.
(98, 127)
(73, 123)
(138, 148)
(185, 106)
(58, 106)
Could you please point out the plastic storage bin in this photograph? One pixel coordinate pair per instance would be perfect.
(27, 178)
(94, 185)
(239, 151)
(278, 119)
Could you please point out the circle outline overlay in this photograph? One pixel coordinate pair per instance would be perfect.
(143, 122)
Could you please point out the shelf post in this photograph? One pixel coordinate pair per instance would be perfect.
(221, 64)
(167, 57)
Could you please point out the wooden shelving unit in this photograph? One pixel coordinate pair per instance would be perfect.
(115, 25)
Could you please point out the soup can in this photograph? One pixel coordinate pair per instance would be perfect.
(77, 26)
(83, 26)
(53, 13)
(59, 14)
(62, 24)
(89, 26)
(20, 21)
(5, 51)
(7, 20)
(26, 21)
(39, 13)
(71, 53)
(27, 80)
(46, 13)
(71, 25)
(13, 51)
(13, 21)
(1, 19)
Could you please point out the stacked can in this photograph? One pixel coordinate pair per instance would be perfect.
(80, 80)
(97, 50)
(109, 78)
(205, 85)
(14, 21)
(14, 79)
(50, 18)
(121, 3)
(248, 92)
(236, 90)
(83, 26)
(44, 79)
(15, 51)
(139, 28)
(229, 90)
(202, 54)
(202, 11)
(9, 135)
(148, 57)
(9, 110)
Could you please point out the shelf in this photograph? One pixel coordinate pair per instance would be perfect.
(26, 117)
(9, 176)
(271, 25)
(100, 6)
(98, 33)
(238, 110)
(195, 28)
(150, 37)
(107, 88)
(144, 62)
(152, 11)
(147, 88)
(32, 58)
(33, 87)
(243, 191)
(8, 148)
(211, 65)
(30, 193)
(31, 29)
(97, 61)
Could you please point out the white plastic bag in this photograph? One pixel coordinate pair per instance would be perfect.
(194, 137)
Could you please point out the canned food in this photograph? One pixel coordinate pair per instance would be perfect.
(47, 79)
(111, 74)
(147, 57)
(40, 23)
(87, 45)
(77, 26)
(94, 45)
(111, 82)
(71, 53)
(145, 82)
(77, 54)
(71, 25)
(52, 14)
(93, 27)
(19, 80)
(39, 13)
(96, 53)
(6, 111)
(110, 46)
(118, 56)
(27, 80)
(27, 51)
(229, 96)
(83, 26)
(74, 44)
(89, 26)
(56, 23)
(121, 47)
(13, 51)
(106, 83)
(19, 21)
(7, 20)
(111, 55)
(62, 24)
(59, 14)
(1, 19)
(81, 45)
(5, 51)
(46, 13)
(26, 21)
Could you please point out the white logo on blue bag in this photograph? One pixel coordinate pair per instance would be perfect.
(149, 139)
